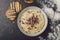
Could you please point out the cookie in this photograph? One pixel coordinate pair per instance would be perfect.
(11, 14)
(18, 6)
(29, 1)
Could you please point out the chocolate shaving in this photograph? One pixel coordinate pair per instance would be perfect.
(29, 11)
(29, 28)
(33, 20)
(23, 19)
(19, 20)
(35, 27)
(23, 22)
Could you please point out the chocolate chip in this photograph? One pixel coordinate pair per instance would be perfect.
(29, 28)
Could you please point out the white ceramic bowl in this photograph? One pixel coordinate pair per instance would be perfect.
(41, 31)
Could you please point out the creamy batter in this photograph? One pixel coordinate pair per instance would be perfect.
(32, 21)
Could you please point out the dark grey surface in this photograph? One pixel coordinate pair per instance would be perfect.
(9, 31)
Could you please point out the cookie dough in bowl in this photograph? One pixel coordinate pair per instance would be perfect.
(32, 21)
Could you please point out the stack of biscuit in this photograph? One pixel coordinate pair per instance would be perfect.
(15, 7)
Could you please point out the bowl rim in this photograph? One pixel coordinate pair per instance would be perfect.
(32, 35)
